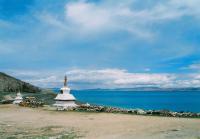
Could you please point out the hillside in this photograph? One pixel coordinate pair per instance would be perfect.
(11, 84)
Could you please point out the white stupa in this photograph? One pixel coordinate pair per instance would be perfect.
(18, 98)
(64, 99)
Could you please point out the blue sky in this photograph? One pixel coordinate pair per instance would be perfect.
(101, 43)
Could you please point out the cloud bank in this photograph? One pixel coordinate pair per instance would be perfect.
(108, 79)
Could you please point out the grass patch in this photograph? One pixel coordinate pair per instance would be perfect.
(48, 132)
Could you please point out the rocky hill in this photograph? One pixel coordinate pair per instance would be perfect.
(11, 84)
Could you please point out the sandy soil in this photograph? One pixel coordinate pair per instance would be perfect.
(19, 122)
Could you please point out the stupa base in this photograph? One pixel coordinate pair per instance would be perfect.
(62, 105)
(17, 101)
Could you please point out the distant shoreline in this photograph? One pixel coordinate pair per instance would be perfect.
(139, 89)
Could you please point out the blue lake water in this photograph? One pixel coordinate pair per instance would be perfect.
(175, 101)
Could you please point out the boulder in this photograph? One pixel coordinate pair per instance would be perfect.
(149, 112)
(155, 112)
(165, 113)
(140, 112)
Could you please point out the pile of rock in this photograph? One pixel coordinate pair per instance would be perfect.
(31, 102)
(97, 109)
(167, 113)
(172, 114)
(7, 99)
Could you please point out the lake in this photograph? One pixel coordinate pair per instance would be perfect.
(153, 100)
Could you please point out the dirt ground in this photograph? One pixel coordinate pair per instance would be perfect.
(19, 122)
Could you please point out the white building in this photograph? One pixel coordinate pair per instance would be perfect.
(64, 99)
(18, 98)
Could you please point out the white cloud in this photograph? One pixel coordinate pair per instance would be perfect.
(193, 66)
(103, 78)
(85, 17)
(51, 20)
(118, 77)
(95, 18)
(88, 19)
(147, 69)
(107, 78)
(88, 15)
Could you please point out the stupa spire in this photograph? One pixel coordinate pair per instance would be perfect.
(65, 81)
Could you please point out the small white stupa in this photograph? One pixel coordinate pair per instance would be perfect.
(64, 99)
(18, 98)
